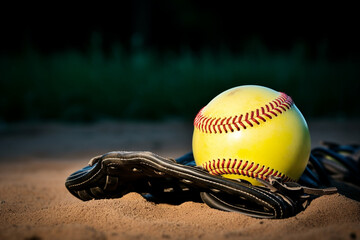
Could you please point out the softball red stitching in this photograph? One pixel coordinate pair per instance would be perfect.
(241, 167)
(235, 123)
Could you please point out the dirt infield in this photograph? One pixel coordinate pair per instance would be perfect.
(35, 160)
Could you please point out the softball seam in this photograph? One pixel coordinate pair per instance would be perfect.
(244, 168)
(230, 124)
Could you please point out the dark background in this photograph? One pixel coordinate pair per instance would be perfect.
(167, 59)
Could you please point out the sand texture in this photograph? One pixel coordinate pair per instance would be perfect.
(35, 160)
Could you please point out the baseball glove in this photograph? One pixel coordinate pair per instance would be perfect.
(165, 180)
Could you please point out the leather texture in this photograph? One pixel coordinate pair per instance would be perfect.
(164, 180)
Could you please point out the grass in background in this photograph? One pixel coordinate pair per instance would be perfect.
(74, 86)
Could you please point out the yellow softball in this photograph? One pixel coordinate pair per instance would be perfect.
(251, 132)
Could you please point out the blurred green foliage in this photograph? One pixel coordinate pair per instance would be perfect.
(77, 86)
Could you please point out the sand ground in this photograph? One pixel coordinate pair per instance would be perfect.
(35, 160)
